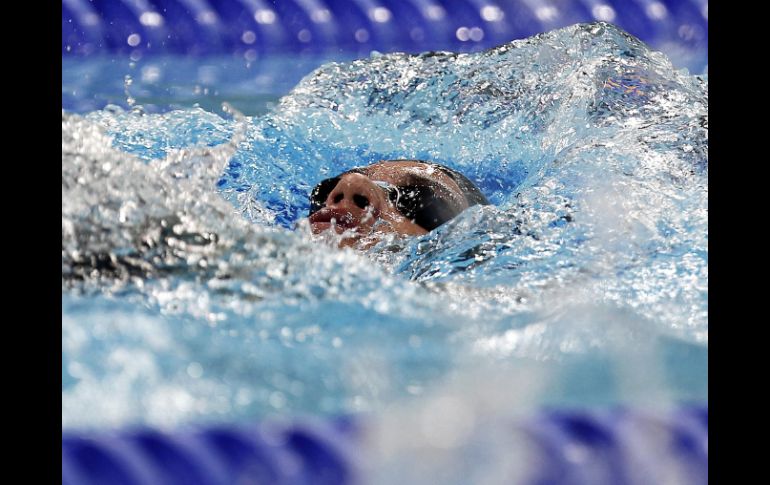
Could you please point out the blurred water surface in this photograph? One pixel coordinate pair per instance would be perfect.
(188, 295)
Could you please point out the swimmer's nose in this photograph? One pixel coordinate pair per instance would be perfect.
(354, 193)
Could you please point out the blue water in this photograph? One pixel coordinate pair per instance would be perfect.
(191, 290)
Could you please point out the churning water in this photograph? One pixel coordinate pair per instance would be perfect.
(192, 291)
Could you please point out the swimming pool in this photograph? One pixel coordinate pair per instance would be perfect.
(189, 298)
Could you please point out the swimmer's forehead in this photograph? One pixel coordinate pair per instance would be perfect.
(409, 172)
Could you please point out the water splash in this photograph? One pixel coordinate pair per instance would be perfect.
(593, 149)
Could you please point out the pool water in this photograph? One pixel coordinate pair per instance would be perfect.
(162, 83)
(193, 292)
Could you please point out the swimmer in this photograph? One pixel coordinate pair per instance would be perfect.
(402, 197)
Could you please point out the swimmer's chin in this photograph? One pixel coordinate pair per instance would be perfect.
(365, 242)
(349, 238)
(359, 238)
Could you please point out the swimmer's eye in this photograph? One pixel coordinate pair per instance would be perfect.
(321, 192)
(420, 204)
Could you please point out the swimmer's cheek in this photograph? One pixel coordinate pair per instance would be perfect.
(405, 227)
(319, 227)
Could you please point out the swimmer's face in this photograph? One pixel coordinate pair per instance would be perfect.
(403, 197)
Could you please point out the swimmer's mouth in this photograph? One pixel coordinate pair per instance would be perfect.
(322, 219)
